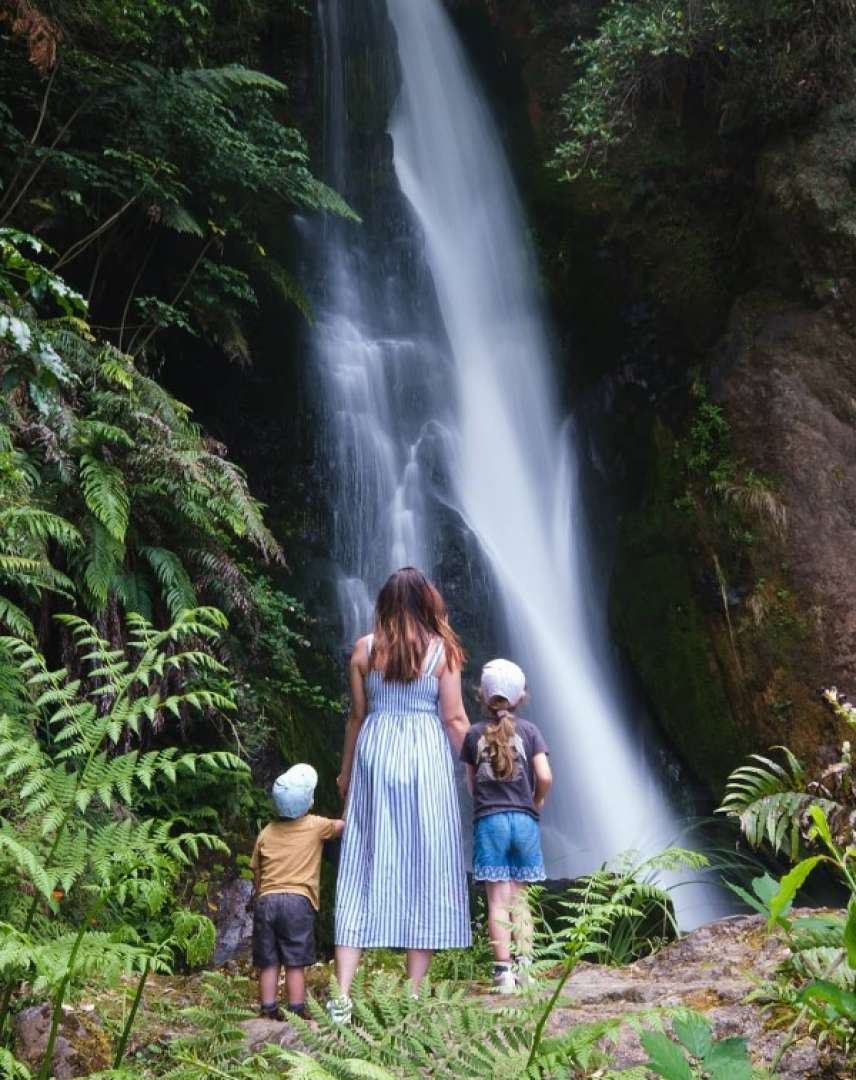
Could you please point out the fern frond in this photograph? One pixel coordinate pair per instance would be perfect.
(41, 525)
(180, 220)
(106, 496)
(12, 1068)
(27, 861)
(176, 587)
(15, 620)
(102, 561)
(34, 572)
(224, 81)
(768, 799)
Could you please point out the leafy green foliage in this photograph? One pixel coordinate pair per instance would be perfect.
(773, 803)
(769, 799)
(696, 1054)
(442, 1034)
(752, 65)
(89, 877)
(103, 468)
(592, 909)
(188, 164)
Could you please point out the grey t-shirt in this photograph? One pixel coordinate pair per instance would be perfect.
(493, 796)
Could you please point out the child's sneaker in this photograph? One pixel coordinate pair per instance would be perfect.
(339, 1009)
(271, 1012)
(523, 971)
(504, 981)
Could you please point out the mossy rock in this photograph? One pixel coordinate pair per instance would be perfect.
(81, 1047)
(807, 184)
(663, 626)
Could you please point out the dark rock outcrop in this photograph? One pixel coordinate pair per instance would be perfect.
(234, 921)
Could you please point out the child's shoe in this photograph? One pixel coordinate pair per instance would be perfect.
(271, 1012)
(523, 972)
(339, 1009)
(504, 981)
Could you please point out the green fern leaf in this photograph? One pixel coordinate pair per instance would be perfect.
(102, 561)
(180, 220)
(106, 496)
(15, 620)
(224, 81)
(176, 586)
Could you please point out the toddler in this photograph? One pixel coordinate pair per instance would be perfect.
(286, 865)
(509, 776)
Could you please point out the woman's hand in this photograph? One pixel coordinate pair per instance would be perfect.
(343, 782)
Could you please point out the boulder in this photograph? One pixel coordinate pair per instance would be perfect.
(81, 1045)
(234, 921)
(711, 970)
(261, 1032)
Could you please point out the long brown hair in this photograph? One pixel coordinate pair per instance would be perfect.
(498, 734)
(409, 613)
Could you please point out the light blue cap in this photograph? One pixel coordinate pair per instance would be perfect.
(294, 791)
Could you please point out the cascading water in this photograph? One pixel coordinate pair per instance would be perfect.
(436, 373)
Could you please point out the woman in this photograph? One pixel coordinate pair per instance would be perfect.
(401, 875)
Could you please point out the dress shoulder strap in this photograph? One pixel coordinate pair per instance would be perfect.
(434, 657)
(369, 647)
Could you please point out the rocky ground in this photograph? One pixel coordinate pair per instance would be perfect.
(711, 970)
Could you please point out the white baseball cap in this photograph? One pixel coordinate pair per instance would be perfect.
(503, 678)
(294, 791)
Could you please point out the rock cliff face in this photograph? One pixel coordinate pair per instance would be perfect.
(734, 600)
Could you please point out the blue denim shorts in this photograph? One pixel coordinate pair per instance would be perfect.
(507, 847)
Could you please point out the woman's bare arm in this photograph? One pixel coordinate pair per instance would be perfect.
(543, 780)
(357, 672)
(452, 711)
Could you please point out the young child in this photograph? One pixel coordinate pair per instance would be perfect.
(509, 776)
(286, 863)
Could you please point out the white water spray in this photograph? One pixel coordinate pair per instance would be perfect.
(492, 422)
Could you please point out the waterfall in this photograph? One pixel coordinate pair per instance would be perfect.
(436, 370)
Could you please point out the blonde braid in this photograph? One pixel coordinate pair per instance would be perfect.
(498, 735)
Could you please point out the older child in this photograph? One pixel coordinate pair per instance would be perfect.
(509, 776)
(286, 863)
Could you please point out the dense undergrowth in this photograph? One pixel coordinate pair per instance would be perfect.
(751, 67)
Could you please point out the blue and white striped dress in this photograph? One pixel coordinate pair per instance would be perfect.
(402, 882)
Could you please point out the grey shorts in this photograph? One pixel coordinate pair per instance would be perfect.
(283, 931)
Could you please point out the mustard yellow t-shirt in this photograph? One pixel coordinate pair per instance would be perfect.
(288, 856)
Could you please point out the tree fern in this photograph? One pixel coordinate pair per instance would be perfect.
(131, 485)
